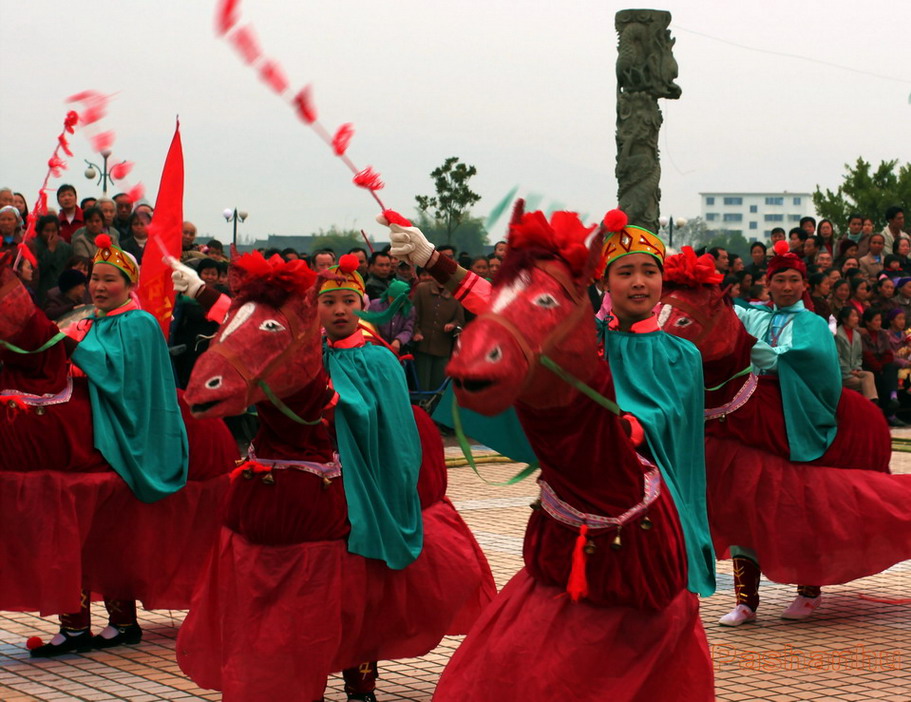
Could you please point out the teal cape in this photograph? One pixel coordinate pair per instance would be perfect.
(798, 346)
(380, 452)
(658, 378)
(138, 426)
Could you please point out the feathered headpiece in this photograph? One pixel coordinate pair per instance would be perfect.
(623, 239)
(690, 271)
(115, 256)
(343, 276)
(784, 260)
(270, 281)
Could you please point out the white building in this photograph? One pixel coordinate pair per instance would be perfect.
(755, 215)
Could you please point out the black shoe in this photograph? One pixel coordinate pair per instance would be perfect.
(80, 643)
(366, 697)
(131, 634)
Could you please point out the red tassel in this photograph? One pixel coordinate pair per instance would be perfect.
(394, 217)
(103, 142)
(72, 119)
(342, 138)
(303, 101)
(226, 16)
(245, 42)
(369, 179)
(273, 76)
(577, 585)
(64, 144)
(121, 170)
(136, 192)
(28, 255)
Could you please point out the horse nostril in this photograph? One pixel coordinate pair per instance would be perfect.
(457, 382)
(214, 383)
(495, 355)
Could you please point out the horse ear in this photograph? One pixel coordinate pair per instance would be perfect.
(595, 243)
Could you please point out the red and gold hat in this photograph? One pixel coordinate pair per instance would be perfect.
(344, 276)
(623, 239)
(115, 256)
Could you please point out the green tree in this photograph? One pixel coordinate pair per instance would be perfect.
(867, 192)
(450, 207)
(471, 237)
(339, 240)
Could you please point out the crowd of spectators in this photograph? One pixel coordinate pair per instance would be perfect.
(859, 281)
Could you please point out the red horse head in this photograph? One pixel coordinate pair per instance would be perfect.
(538, 306)
(270, 339)
(696, 308)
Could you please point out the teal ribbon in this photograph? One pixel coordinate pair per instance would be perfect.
(283, 408)
(733, 377)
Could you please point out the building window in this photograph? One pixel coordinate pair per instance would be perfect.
(774, 201)
(733, 201)
(775, 218)
(753, 209)
(710, 201)
(754, 225)
(711, 217)
(793, 218)
(796, 200)
(733, 217)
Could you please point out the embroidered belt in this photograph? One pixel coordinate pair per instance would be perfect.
(740, 399)
(572, 517)
(43, 400)
(327, 471)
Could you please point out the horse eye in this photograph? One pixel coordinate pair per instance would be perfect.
(683, 322)
(546, 301)
(270, 325)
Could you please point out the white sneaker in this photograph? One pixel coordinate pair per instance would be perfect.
(741, 614)
(802, 607)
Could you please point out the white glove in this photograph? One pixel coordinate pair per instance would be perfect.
(408, 243)
(186, 280)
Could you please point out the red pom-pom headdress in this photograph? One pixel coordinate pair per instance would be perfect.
(272, 280)
(785, 260)
(622, 239)
(687, 270)
(115, 256)
(343, 276)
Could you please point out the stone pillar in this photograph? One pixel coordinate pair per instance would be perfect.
(646, 70)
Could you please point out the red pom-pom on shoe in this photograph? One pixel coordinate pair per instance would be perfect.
(615, 220)
(33, 642)
(348, 263)
(781, 247)
(103, 241)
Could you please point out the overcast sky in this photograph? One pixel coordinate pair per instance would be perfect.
(525, 91)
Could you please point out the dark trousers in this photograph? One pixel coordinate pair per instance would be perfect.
(120, 613)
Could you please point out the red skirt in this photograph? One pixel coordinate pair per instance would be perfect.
(534, 644)
(269, 619)
(808, 524)
(63, 532)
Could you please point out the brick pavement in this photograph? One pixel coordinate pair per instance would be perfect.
(854, 648)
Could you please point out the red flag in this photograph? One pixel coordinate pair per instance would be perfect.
(156, 291)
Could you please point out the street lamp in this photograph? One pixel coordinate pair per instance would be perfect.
(233, 215)
(92, 171)
(670, 223)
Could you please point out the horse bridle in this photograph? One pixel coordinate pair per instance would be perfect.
(254, 381)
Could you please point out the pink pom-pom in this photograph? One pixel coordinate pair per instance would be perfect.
(121, 170)
(33, 642)
(103, 141)
(226, 16)
(348, 263)
(103, 241)
(303, 101)
(136, 192)
(369, 179)
(245, 42)
(92, 113)
(273, 76)
(394, 217)
(781, 248)
(615, 220)
(342, 138)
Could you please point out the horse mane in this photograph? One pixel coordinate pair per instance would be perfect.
(533, 238)
(270, 281)
(686, 270)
